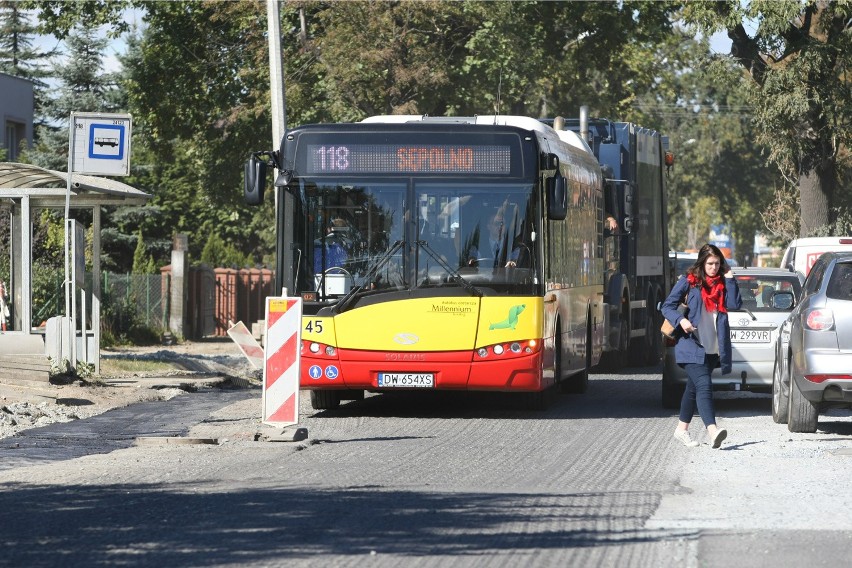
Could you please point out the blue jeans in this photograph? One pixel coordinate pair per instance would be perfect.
(699, 391)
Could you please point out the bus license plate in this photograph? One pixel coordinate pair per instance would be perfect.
(750, 335)
(407, 380)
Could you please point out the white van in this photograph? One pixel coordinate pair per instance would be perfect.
(801, 254)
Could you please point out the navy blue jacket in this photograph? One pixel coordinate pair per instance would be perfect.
(688, 349)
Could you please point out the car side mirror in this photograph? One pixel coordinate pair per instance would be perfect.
(781, 301)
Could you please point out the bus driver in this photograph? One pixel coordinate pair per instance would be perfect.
(497, 239)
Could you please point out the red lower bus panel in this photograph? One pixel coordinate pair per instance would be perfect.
(453, 370)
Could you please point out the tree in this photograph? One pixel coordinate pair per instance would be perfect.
(217, 252)
(719, 176)
(198, 87)
(796, 59)
(142, 261)
(17, 55)
(83, 86)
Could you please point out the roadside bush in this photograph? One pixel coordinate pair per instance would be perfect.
(121, 323)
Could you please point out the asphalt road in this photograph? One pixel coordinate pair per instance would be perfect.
(430, 480)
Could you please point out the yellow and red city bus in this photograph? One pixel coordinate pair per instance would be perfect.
(394, 223)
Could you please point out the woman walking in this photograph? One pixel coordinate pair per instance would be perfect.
(704, 336)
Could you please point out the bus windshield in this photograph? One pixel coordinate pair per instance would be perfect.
(396, 235)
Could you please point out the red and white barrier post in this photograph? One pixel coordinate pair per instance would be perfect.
(282, 358)
(247, 344)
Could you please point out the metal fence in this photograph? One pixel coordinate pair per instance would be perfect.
(214, 297)
(125, 298)
(129, 299)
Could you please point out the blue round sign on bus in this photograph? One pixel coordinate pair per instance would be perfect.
(315, 372)
(331, 372)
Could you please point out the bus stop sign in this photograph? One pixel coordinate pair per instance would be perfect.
(100, 144)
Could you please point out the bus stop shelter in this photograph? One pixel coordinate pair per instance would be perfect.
(25, 189)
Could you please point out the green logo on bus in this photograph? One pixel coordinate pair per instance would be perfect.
(511, 321)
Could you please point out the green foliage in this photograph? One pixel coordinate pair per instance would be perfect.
(60, 16)
(83, 86)
(796, 55)
(142, 261)
(197, 84)
(121, 322)
(48, 294)
(218, 253)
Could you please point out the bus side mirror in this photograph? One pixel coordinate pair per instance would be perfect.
(557, 198)
(549, 162)
(255, 181)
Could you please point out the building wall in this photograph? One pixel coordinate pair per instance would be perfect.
(16, 114)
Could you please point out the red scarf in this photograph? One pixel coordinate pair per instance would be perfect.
(712, 292)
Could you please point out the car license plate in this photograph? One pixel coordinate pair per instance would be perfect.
(750, 335)
(407, 380)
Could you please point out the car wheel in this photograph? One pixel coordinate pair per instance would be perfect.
(803, 413)
(325, 399)
(672, 394)
(780, 397)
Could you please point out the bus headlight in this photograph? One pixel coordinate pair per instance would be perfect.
(482, 352)
(314, 347)
(498, 349)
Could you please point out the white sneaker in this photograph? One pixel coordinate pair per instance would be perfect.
(716, 441)
(683, 436)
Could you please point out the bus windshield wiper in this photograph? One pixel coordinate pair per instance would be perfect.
(454, 274)
(350, 296)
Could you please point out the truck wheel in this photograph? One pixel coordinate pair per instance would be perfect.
(579, 383)
(780, 397)
(655, 340)
(612, 361)
(803, 413)
(640, 347)
(325, 399)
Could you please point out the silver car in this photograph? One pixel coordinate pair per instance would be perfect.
(768, 298)
(813, 362)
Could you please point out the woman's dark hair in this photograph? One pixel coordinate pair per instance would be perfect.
(697, 269)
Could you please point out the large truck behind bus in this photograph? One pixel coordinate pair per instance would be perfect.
(635, 163)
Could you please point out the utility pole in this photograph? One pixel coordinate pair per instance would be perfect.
(278, 106)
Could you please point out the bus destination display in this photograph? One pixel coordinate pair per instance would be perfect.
(407, 158)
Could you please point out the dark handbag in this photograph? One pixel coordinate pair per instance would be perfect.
(667, 329)
(670, 331)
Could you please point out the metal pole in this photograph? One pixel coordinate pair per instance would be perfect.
(68, 216)
(96, 287)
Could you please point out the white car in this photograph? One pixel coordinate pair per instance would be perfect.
(754, 331)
